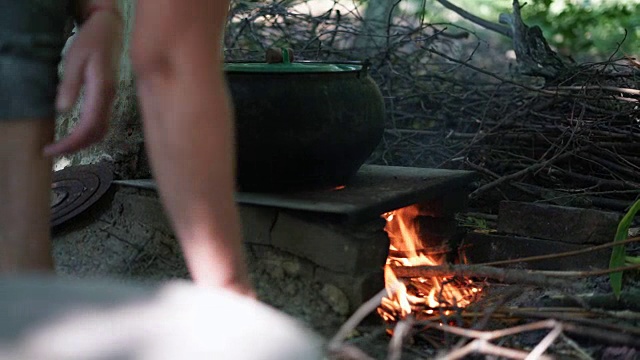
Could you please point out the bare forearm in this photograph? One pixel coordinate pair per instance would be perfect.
(189, 131)
(189, 137)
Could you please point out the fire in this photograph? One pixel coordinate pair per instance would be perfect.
(411, 247)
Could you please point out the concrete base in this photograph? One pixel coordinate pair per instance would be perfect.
(126, 236)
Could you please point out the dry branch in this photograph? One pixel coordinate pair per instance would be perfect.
(451, 104)
(510, 276)
(502, 30)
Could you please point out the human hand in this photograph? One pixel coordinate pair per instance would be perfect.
(92, 61)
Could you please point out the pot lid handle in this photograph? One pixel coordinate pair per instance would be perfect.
(279, 56)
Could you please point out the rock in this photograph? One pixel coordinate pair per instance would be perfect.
(335, 298)
(333, 247)
(291, 289)
(291, 268)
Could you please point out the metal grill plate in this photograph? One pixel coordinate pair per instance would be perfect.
(76, 188)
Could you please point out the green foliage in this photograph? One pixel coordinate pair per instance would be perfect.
(591, 27)
(474, 223)
(618, 256)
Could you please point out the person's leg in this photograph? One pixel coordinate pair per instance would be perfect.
(31, 41)
(25, 201)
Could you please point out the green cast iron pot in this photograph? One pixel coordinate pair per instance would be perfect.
(303, 125)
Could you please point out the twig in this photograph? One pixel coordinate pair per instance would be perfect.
(485, 347)
(511, 292)
(482, 345)
(605, 327)
(528, 170)
(400, 332)
(545, 343)
(629, 301)
(465, 271)
(500, 29)
(602, 87)
(363, 311)
(581, 353)
(610, 337)
(348, 352)
(483, 216)
(594, 272)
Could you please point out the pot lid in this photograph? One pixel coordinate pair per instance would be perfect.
(290, 68)
(281, 61)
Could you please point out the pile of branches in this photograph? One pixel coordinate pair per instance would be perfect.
(536, 127)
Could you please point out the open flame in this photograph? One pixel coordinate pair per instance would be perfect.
(411, 247)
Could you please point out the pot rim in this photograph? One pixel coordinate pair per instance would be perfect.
(303, 66)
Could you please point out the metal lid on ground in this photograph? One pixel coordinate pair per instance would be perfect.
(76, 188)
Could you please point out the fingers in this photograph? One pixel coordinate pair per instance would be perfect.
(71, 83)
(96, 111)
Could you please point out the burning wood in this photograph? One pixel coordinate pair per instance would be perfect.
(419, 295)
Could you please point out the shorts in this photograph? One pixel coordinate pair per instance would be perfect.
(32, 37)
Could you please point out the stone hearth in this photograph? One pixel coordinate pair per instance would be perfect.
(316, 255)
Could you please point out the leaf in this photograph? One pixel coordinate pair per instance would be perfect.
(632, 260)
(618, 256)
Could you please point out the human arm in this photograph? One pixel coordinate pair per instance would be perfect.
(92, 61)
(177, 58)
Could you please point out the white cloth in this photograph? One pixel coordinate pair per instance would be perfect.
(180, 321)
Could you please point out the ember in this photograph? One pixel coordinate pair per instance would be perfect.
(418, 296)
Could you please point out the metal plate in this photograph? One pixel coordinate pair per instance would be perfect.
(76, 188)
(373, 191)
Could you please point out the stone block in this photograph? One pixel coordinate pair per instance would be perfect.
(481, 248)
(358, 288)
(257, 222)
(282, 262)
(551, 222)
(330, 245)
(336, 298)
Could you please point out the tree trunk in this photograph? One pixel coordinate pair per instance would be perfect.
(124, 144)
(373, 32)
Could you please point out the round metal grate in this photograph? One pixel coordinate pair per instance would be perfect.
(75, 188)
